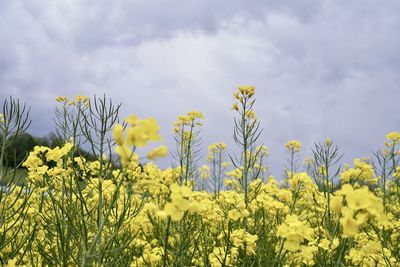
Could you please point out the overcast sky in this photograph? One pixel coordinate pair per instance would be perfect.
(321, 68)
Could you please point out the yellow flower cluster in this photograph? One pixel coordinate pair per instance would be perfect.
(295, 232)
(242, 239)
(328, 141)
(215, 149)
(262, 150)
(158, 152)
(301, 180)
(393, 137)
(44, 162)
(138, 134)
(234, 204)
(191, 118)
(368, 251)
(244, 91)
(243, 94)
(204, 172)
(293, 145)
(362, 172)
(79, 99)
(361, 205)
(236, 173)
(179, 203)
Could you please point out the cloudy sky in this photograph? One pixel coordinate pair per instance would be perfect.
(321, 68)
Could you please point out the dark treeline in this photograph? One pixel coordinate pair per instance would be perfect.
(18, 147)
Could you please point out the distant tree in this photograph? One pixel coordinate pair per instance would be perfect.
(54, 140)
(17, 149)
(19, 146)
(41, 141)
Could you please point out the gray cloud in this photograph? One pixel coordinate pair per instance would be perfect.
(321, 68)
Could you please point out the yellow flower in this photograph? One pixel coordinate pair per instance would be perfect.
(359, 199)
(151, 129)
(308, 161)
(328, 142)
(12, 263)
(238, 96)
(335, 243)
(204, 171)
(247, 90)
(81, 98)
(394, 137)
(307, 254)
(349, 223)
(142, 131)
(240, 238)
(236, 173)
(225, 164)
(182, 120)
(195, 115)
(235, 107)
(191, 118)
(396, 174)
(215, 149)
(336, 204)
(126, 155)
(2, 120)
(61, 99)
(136, 136)
(132, 120)
(173, 210)
(158, 152)
(295, 232)
(118, 134)
(234, 214)
(179, 203)
(251, 114)
(293, 145)
(263, 150)
(362, 171)
(324, 244)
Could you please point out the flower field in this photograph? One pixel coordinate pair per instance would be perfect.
(122, 210)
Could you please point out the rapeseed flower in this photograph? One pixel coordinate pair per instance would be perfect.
(61, 99)
(295, 232)
(158, 152)
(394, 137)
(118, 134)
(293, 145)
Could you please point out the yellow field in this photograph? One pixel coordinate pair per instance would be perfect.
(115, 211)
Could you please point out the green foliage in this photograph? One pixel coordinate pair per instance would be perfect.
(17, 149)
